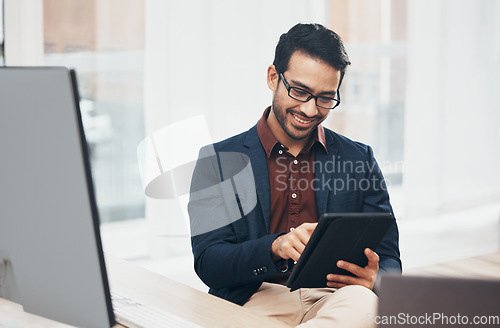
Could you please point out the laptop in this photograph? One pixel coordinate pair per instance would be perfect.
(420, 301)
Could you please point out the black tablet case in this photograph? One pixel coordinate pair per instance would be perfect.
(338, 236)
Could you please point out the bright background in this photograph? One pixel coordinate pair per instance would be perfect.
(423, 90)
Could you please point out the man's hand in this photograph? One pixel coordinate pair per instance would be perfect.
(364, 276)
(293, 243)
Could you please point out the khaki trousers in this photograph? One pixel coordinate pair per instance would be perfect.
(349, 306)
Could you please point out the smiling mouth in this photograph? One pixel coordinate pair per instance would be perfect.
(301, 120)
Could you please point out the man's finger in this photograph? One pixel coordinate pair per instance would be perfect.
(294, 255)
(308, 227)
(352, 268)
(373, 258)
(335, 284)
(302, 235)
(343, 279)
(299, 246)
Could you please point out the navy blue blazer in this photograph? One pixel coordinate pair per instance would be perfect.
(230, 219)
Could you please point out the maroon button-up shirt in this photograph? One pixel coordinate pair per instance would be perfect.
(293, 201)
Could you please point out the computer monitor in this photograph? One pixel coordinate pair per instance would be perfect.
(51, 259)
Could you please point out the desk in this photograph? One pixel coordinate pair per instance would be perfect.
(159, 291)
(485, 266)
(12, 315)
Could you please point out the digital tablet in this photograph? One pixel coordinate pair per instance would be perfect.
(338, 236)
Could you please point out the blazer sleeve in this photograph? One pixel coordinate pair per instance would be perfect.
(221, 207)
(376, 199)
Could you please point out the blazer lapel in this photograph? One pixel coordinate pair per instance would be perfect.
(323, 174)
(258, 160)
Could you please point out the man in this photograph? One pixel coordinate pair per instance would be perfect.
(256, 197)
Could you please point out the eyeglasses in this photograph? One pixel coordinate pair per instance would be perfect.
(304, 96)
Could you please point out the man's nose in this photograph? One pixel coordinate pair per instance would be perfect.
(309, 108)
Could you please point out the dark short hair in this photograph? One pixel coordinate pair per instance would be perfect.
(314, 40)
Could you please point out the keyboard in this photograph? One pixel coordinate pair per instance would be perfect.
(136, 314)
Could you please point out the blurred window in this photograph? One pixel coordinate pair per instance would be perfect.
(373, 91)
(104, 42)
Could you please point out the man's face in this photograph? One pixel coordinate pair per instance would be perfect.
(298, 119)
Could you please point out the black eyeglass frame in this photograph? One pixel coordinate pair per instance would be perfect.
(289, 87)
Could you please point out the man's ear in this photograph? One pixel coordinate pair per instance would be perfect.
(272, 78)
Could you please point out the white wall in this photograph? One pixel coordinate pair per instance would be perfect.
(452, 135)
(23, 32)
(210, 57)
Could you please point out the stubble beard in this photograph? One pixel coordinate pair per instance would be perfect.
(280, 115)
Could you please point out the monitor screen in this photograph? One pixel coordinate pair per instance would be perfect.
(51, 259)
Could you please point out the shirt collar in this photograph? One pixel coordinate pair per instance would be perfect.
(269, 141)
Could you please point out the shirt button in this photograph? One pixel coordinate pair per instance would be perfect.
(280, 151)
(294, 195)
(295, 161)
(292, 229)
